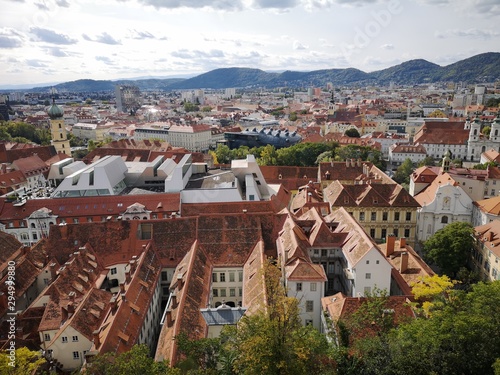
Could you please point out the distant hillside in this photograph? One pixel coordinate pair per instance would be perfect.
(90, 85)
(226, 77)
(417, 71)
(480, 68)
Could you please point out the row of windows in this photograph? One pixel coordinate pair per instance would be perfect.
(385, 216)
(221, 277)
(383, 233)
(222, 292)
(312, 287)
(64, 339)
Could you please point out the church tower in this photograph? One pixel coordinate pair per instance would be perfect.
(57, 129)
(495, 130)
(475, 130)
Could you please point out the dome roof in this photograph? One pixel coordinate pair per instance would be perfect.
(55, 111)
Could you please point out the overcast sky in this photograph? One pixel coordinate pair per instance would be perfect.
(46, 41)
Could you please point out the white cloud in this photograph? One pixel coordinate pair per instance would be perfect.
(298, 46)
(104, 38)
(387, 46)
(469, 33)
(50, 36)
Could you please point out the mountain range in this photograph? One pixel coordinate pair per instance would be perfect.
(476, 69)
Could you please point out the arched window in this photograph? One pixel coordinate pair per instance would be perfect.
(444, 220)
(496, 132)
(33, 226)
(483, 149)
(475, 131)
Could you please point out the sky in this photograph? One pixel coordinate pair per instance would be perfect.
(52, 41)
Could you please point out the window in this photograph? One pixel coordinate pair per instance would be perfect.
(240, 276)
(64, 339)
(377, 262)
(215, 292)
(361, 216)
(384, 216)
(324, 252)
(373, 216)
(214, 277)
(372, 232)
(384, 233)
(251, 197)
(408, 216)
(222, 277)
(231, 277)
(444, 220)
(407, 233)
(331, 268)
(76, 355)
(368, 290)
(396, 232)
(75, 338)
(309, 306)
(223, 292)
(46, 337)
(299, 287)
(113, 271)
(368, 276)
(316, 252)
(313, 287)
(240, 292)
(232, 292)
(309, 322)
(164, 276)
(396, 216)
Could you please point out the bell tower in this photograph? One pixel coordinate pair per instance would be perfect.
(57, 129)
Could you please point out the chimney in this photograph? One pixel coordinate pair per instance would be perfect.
(309, 197)
(346, 162)
(97, 340)
(389, 248)
(71, 308)
(404, 262)
(114, 304)
(490, 236)
(127, 276)
(174, 301)
(359, 162)
(402, 243)
(169, 318)
(52, 267)
(122, 287)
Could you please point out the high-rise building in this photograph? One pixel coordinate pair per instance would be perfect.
(128, 98)
(58, 130)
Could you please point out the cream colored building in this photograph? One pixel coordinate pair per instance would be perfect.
(486, 252)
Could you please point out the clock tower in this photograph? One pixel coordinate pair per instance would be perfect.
(57, 129)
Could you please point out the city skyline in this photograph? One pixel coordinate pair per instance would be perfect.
(52, 41)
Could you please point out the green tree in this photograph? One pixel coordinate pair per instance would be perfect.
(292, 116)
(134, 362)
(190, 107)
(441, 344)
(352, 132)
(273, 340)
(486, 131)
(206, 109)
(428, 161)
(485, 166)
(223, 154)
(404, 171)
(200, 354)
(26, 362)
(268, 156)
(449, 248)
